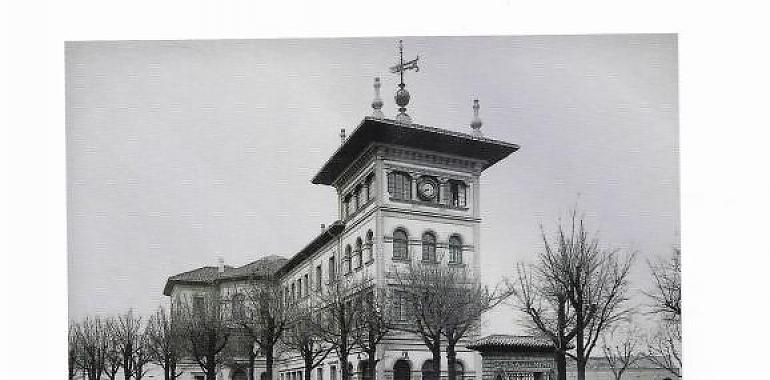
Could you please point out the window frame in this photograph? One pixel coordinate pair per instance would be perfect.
(397, 248)
(429, 242)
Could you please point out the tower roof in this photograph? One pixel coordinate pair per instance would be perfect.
(386, 131)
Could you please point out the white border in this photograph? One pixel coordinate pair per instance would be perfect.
(724, 123)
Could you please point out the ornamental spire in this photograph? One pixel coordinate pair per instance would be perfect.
(402, 95)
(476, 122)
(377, 102)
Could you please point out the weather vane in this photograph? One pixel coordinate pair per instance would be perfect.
(402, 95)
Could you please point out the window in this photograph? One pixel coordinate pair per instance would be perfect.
(319, 374)
(455, 249)
(359, 196)
(348, 259)
(332, 270)
(293, 291)
(238, 310)
(346, 207)
(358, 254)
(199, 377)
(299, 287)
(333, 372)
(459, 370)
(369, 246)
(307, 284)
(198, 305)
(428, 247)
(318, 278)
(370, 187)
(400, 244)
(400, 185)
(457, 193)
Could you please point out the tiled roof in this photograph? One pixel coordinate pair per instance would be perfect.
(600, 363)
(510, 342)
(206, 275)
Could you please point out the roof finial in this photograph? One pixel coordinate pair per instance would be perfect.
(377, 102)
(402, 95)
(476, 122)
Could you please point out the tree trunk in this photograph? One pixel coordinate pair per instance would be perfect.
(344, 364)
(436, 352)
(252, 357)
(372, 367)
(269, 362)
(211, 367)
(451, 359)
(308, 368)
(561, 365)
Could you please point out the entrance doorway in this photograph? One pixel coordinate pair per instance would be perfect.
(402, 370)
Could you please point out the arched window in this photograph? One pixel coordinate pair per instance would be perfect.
(457, 191)
(348, 259)
(428, 372)
(455, 249)
(400, 244)
(358, 253)
(369, 183)
(369, 246)
(428, 247)
(238, 310)
(400, 185)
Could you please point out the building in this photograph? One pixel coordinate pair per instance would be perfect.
(406, 192)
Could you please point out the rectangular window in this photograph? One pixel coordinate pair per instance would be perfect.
(400, 185)
(332, 270)
(198, 305)
(319, 374)
(293, 291)
(200, 377)
(333, 372)
(457, 193)
(307, 284)
(318, 278)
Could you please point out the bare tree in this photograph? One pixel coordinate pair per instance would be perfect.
(266, 316)
(544, 301)
(337, 317)
(165, 342)
(420, 291)
(206, 330)
(73, 351)
(375, 320)
(624, 352)
(664, 347)
(303, 338)
(468, 299)
(91, 344)
(574, 273)
(127, 330)
(142, 356)
(113, 358)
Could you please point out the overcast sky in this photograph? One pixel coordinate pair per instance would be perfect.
(182, 151)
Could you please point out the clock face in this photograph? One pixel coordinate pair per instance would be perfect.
(427, 189)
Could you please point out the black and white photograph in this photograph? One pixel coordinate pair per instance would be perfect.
(460, 208)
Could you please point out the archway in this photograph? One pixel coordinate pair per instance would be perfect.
(402, 370)
(363, 369)
(427, 370)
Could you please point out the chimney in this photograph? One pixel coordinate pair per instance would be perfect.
(220, 264)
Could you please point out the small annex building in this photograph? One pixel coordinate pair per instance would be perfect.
(515, 357)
